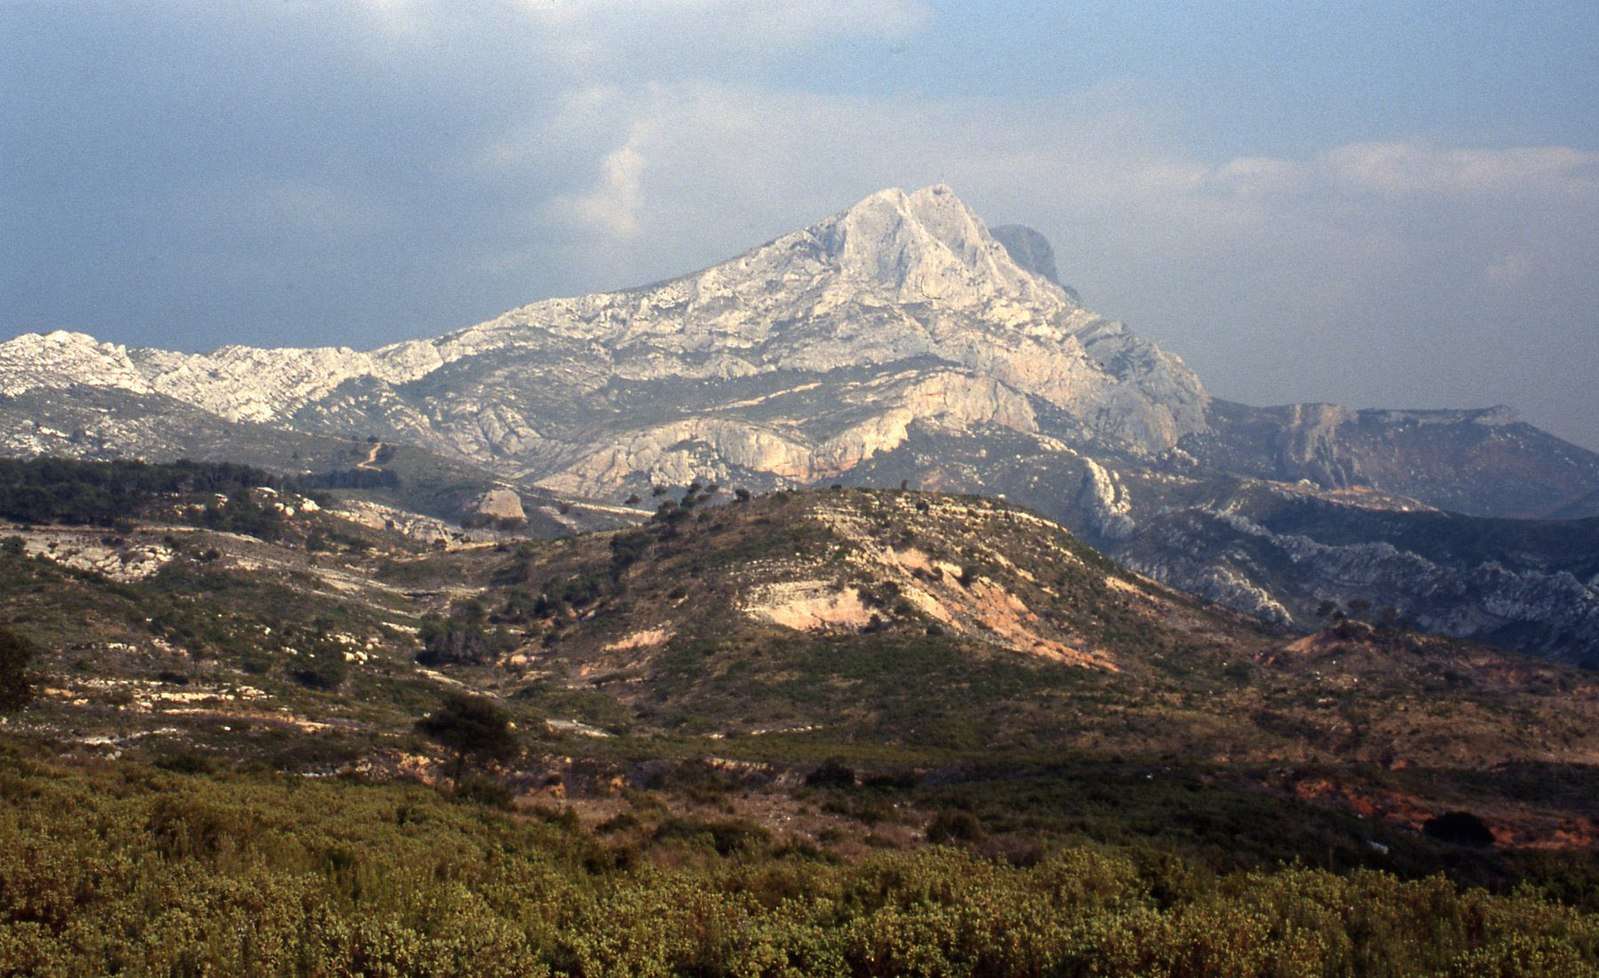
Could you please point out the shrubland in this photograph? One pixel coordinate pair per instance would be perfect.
(165, 874)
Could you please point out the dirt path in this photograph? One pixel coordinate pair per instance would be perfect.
(371, 458)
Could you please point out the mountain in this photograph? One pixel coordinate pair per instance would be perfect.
(904, 307)
(899, 340)
(1484, 462)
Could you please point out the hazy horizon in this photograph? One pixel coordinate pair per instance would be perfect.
(1376, 207)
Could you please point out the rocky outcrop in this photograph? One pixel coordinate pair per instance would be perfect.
(1105, 501)
(500, 505)
(63, 359)
(1482, 462)
(1287, 557)
(1308, 446)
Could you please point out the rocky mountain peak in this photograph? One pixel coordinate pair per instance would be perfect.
(927, 245)
(62, 358)
(900, 340)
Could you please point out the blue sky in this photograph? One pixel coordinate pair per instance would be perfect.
(1391, 204)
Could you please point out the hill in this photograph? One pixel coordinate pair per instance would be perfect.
(909, 632)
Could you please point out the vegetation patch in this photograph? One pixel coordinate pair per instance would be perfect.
(165, 874)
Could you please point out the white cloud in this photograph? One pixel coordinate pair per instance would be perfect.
(1253, 175)
(613, 205)
(643, 39)
(729, 165)
(625, 38)
(1399, 168)
(751, 22)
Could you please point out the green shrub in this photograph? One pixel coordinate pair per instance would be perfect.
(321, 666)
(955, 826)
(473, 728)
(463, 638)
(726, 837)
(833, 773)
(484, 791)
(16, 655)
(184, 762)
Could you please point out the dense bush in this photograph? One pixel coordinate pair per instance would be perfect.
(351, 479)
(138, 872)
(243, 513)
(473, 728)
(1461, 829)
(52, 490)
(954, 827)
(16, 655)
(832, 773)
(462, 638)
(626, 549)
(321, 665)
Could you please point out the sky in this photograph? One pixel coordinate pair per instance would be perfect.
(1379, 204)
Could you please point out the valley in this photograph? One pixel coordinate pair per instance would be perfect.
(864, 563)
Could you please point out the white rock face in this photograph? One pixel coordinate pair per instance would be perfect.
(244, 383)
(380, 517)
(903, 310)
(1227, 556)
(88, 550)
(1106, 502)
(61, 359)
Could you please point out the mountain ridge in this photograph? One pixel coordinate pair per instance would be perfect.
(891, 247)
(898, 340)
